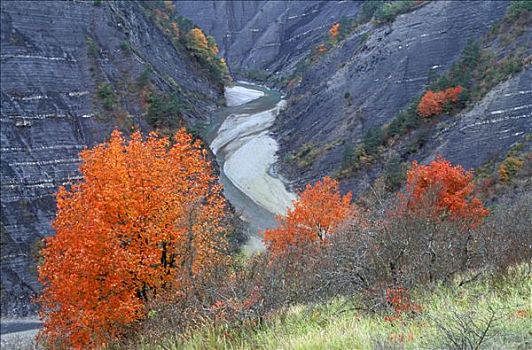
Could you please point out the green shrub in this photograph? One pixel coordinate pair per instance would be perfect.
(405, 120)
(391, 9)
(126, 47)
(92, 47)
(373, 139)
(368, 9)
(144, 77)
(105, 92)
(395, 174)
(462, 71)
(517, 8)
(164, 111)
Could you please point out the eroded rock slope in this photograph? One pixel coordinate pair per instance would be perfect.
(362, 84)
(266, 35)
(56, 56)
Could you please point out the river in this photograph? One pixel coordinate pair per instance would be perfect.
(240, 137)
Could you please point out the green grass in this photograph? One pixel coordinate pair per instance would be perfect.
(341, 324)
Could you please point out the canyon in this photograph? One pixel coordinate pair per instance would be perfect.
(56, 56)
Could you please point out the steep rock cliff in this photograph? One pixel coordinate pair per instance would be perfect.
(266, 35)
(56, 56)
(362, 84)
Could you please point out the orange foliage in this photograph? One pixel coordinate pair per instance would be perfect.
(204, 46)
(145, 218)
(319, 210)
(322, 49)
(399, 299)
(446, 189)
(199, 39)
(214, 50)
(175, 30)
(432, 103)
(334, 31)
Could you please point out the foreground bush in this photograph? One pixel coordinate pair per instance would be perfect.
(378, 255)
(146, 222)
(316, 214)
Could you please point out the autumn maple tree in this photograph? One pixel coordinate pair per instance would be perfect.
(433, 103)
(314, 216)
(442, 190)
(146, 218)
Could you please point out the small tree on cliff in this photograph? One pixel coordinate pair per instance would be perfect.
(433, 103)
(317, 212)
(334, 31)
(145, 218)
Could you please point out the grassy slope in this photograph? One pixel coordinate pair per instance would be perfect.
(340, 324)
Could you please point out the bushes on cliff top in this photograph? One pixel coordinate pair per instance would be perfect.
(391, 9)
(204, 48)
(517, 8)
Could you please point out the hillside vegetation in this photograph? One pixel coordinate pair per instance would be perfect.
(490, 312)
(142, 253)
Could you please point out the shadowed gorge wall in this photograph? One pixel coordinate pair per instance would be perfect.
(57, 57)
(271, 35)
(363, 82)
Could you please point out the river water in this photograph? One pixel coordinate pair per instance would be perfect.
(240, 137)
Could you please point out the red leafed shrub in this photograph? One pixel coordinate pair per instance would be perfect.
(432, 103)
(399, 299)
(442, 190)
(319, 210)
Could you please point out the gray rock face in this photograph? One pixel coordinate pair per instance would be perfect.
(502, 118)
(50, 109)
(381, 70)
(271, 35)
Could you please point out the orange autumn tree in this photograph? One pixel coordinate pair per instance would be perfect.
(334, 31)
(198, 39)
(315, 215)
(442, 190)
(201, 45)
(146, 217)
(432, 103)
